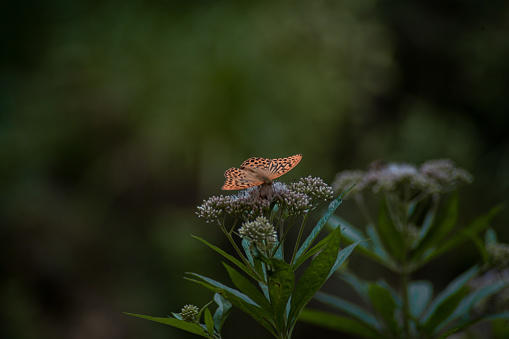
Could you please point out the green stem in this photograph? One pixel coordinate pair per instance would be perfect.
(299, 237)
(237, 249)
(405, 279)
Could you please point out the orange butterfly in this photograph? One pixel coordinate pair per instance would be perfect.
(258, 171)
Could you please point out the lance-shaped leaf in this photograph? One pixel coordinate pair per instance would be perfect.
(465, 307)
(349, 308)
(384, 303)
(452, 288)
(321, 223)
(183, 325)
(445, 309)
(315, 249)
(223, 310)
(391, 236)
(440, 229)
(478, 225)
(281, 283)
(315, 276)
(209, 322)
(342, 256)
(238, 299)
(248, 288)
(340, 324)
(228, 256)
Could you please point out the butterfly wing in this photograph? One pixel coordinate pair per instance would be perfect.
(256, 164)
(257, 171)
(280, 166)
(237, 179)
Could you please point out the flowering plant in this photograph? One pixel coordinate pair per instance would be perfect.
(263, 271)
(415, 222)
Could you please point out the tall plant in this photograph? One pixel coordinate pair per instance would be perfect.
(263, 269)
(415, 221)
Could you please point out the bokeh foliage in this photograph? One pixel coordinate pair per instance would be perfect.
(118, 117)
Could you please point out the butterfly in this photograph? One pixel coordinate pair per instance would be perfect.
(258, 171)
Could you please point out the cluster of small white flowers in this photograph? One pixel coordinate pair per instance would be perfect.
(346, 179)
(213, 209)
(313, 187)
(255, 201)
(297, 203)
(434, 176)
(247, 203)
(446, 175)
(260, 231)
(391, 176)
(189, 313)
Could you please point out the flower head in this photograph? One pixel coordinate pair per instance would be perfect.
(248, 204)
(260, 231)
(446, 175)
(189, 313)
(214, 208)
(314, 188)
(434, 176)
(346, 179)
(296, 203)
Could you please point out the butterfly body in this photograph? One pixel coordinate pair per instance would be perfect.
(258, 171)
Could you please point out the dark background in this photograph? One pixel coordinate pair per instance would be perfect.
(117, 118)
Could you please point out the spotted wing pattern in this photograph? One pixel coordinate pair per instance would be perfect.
(258, 171)
(237, 179)
(260, 164)
(280, 166)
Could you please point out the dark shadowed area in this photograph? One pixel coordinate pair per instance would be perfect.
(117, 118)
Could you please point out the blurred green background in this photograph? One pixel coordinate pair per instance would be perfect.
(117, 118)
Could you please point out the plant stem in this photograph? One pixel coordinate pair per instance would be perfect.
(405, 278)
(246, 262)
(299, 237)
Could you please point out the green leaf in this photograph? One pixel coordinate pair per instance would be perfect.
(181, 324)
(228, 256)
(445, 309)
(440, 229)
(339, 323)
(359, 285)
(452, 288)
(315, 249)
(383, 302)
(314, 276)
(222, 312)
(350, 232)
(378, 252)
(467, 304)
(209, 322)
(237, 298)
(314, 233)
(349, 308)
(342, 256)
(246, 287)
(420, 293)
(478, 225)
(389, 233)
(281, 283)
(428, 222)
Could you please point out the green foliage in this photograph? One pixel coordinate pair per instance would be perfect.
(414, 226)
(265, 286)
(210, 329)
